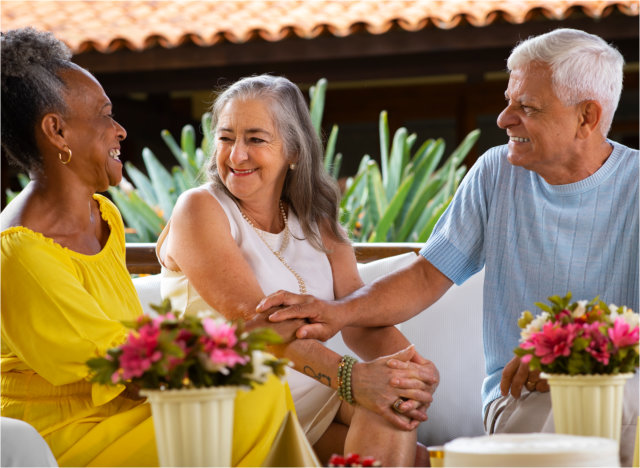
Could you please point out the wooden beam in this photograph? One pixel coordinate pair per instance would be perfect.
(141, 257)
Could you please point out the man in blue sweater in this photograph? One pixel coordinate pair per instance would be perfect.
(554, 210)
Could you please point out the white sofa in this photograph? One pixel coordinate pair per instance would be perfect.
(448, 333)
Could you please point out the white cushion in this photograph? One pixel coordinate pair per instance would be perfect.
(449, 333)
(148, 288)
(22, 445)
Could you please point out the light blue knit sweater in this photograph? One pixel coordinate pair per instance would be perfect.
(536, 240)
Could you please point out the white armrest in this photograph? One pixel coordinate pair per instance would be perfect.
(22, 445)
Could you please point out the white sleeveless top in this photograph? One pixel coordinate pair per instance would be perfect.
(316, 404)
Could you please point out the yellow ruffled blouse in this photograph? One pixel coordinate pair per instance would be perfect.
(60, 308)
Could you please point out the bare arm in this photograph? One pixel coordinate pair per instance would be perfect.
(392, 299)
(217, 268)
(371, 343)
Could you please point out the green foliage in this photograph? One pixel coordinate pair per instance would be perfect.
(146, 205)
(10, 194)
(170, 351)
(401, 200)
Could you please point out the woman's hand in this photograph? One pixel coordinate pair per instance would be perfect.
(324, 315)
(516, 375)
(378, 384)
(286, 329)
(429, 375)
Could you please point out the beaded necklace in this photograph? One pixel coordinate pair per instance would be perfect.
(302, 287)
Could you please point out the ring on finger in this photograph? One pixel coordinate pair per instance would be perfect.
(531, 386)
(397, 403)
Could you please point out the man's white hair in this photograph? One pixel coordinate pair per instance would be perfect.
(583, 67)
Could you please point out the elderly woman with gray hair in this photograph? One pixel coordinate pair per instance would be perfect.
(267, 221)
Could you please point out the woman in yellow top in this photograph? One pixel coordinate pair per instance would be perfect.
(65, 286)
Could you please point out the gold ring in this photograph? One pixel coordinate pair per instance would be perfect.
(396, 405)
(531, 386)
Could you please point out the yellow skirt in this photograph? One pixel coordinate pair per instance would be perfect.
(120, 433)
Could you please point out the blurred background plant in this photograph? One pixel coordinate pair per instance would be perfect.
(398, 200)
(146, 201)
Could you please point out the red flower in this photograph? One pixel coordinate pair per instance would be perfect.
(553, 341)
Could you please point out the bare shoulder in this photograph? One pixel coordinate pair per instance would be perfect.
(196, 204)
(333, 243)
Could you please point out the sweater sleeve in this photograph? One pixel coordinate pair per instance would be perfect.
(456, 245)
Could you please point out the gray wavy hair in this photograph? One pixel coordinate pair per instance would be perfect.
(583, 67)
(31, 87)
(311, 192)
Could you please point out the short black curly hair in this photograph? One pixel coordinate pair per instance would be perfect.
(31, 87)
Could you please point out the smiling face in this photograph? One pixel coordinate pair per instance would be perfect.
(249, 152)
(542, 130)
(91, 132)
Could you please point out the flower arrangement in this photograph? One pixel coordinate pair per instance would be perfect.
(579, 337)
(353, 459)
(167, 352)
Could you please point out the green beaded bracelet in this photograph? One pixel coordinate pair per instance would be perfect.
(345, 367)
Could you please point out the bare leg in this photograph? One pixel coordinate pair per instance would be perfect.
(371, 435)
(332, 441)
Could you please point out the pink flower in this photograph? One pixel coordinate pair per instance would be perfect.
(552, 341)
(227, 357)
(598, 345)
(620, 334)
(140, 351)
(221, 333)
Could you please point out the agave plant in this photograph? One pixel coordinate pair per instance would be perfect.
(399, 200)
(332, 161)
(146, 202)
(402, 201)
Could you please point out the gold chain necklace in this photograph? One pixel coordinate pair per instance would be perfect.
(302, 287)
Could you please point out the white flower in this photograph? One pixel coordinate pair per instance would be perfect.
(580, 310)
(535, 325)
(630, 317)
(206, 313)
(261, 371)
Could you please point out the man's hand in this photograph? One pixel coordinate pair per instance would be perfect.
(516, 375)
(323, 320)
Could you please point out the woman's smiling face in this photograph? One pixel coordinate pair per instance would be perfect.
(91, 132)
(249, 151)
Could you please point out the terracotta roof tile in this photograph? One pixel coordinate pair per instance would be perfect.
(111, 25)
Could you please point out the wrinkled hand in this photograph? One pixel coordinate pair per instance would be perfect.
(325, 321)
(379, 383)
(286, 330)
(429, 375)
(516, 375)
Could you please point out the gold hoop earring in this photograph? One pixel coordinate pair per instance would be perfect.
(292, 166)
(68, 159)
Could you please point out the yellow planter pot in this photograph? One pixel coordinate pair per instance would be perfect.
(589, 405)
(194, 427)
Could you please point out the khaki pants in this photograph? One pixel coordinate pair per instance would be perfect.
(532, 413)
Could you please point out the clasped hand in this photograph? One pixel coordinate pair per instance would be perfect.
(405, 375)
